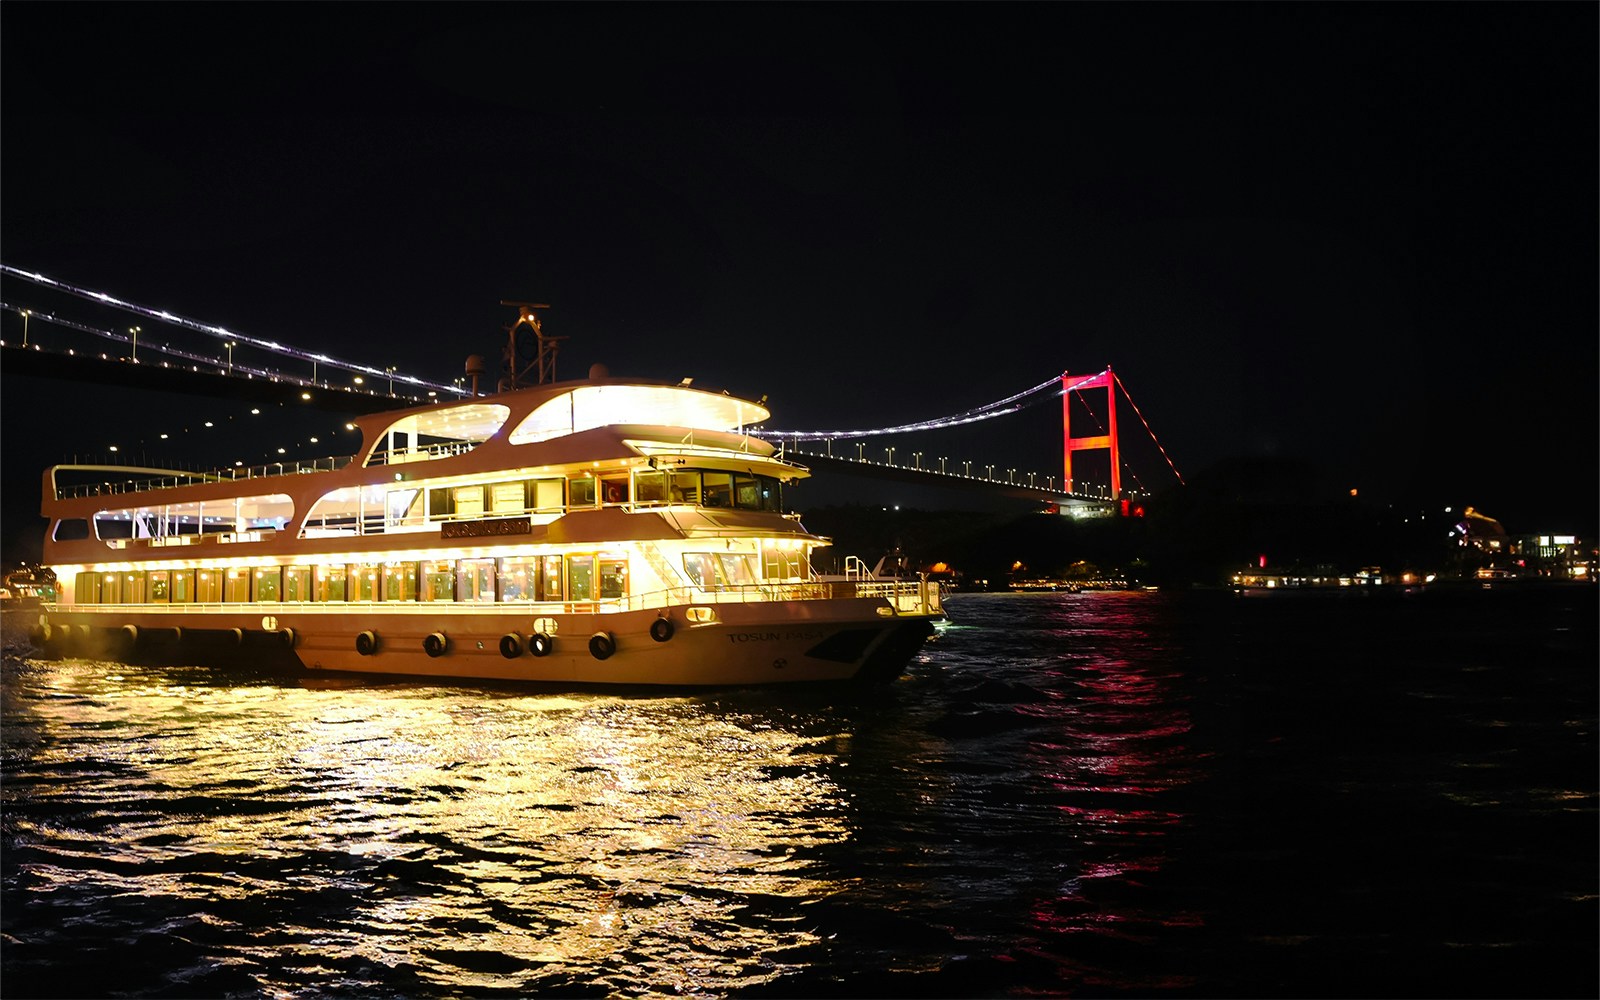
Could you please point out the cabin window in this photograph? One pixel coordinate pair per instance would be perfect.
(182, 586)
(508, 498)
(160, 586)
(549, 494)
(519, 576)
(581, 491)
(71, 529)
(236, 586)
(475, 580)
(110, 588)
(438, 581)
(748, 493)
(650, 487)
(613, 577)
(738, 568)
(406, 506)
(711, 570)
(400, 581)
(208, 586)
(297, 583)
(685, 487)
(327, 583)
(86, 588)
(269, 584)
(580, 578)
(782, 564)
(468, 501)
(362, 581)
(717, 489)
(614, 489)
(133, 588)
(550, 577)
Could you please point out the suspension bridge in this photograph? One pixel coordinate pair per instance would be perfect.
(184, 355)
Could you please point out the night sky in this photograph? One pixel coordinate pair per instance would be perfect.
(1358, 236)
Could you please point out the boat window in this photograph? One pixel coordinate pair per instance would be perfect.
(549, 494)
(508, 498)
(404, 506)
(400, 581)
(269, 584)
(362, 582)
(438, 580)
(613, 577)
(614, 489)
(182, 586)
(438, 433)
(519, 576)
(467, 501)
(550, 577)
(328, 583)
(297, 583)
(590, 406)
(580, 578)
(581, 490)
(782, 564)
(343, 512)
(86, 588)
(236, 586)
(71, 529)
(738, 568)
(208, 586)
(650, 487)
(475, 580)
(701, 569)
(160, 586)
(110, 588)
(716, 489)
(685, 487)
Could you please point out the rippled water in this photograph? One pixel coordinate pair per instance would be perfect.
(1097, 795)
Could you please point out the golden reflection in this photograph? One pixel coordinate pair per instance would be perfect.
(582, 834)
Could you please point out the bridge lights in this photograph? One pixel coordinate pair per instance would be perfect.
(966, 469)
(916, 460)
(941, 464)
(390, 371)
(25, 314)
(890, 452)
(229, 345)
(134, 332)
(861, 451)
(1030, 478)
(990, 473)
(1011, 475)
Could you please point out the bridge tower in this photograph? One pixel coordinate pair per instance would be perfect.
(1107, 440)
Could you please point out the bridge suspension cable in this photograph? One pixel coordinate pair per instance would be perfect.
(987, 411)
(217, 331)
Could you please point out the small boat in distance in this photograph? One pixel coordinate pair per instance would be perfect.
(595, 531)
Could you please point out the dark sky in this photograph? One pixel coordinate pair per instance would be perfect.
(1359, 235)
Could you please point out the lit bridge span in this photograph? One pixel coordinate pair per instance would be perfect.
(211, 360)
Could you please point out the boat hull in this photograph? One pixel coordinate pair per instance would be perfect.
(755, 644)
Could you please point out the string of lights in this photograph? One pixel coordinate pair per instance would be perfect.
(217, 331)
(987, 411)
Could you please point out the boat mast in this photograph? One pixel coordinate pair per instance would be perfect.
(538, 349)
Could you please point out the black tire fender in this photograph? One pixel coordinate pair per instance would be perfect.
(661, 629)
(436, 644)
(367, 643)
(540, 644)
(511, 645)
(602, 645)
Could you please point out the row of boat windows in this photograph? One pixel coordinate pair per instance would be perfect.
(511, 578)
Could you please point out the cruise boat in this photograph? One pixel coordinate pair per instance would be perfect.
(597, 531)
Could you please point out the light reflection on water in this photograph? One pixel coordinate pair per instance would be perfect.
(1111, 794)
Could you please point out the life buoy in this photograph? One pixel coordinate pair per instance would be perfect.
(511, 645)
(602, 645)
(661, 629)
(287, 637)
(367, 643)
(540, 644)
(435, 644)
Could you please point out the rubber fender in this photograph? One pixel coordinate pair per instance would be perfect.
(602, 645)
(435, 644)
(511, 645)
(661, 629)
(287, 637)
(540, 644)
(41, 633)
(132, 632)
(238, 636)
(367, 643)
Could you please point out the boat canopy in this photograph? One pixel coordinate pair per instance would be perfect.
(590, 406)
(470, 422)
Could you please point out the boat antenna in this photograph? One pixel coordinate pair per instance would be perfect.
(530, 356)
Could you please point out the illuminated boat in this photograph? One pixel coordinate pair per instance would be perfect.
(600, 531)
